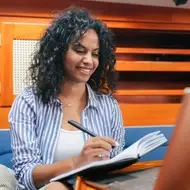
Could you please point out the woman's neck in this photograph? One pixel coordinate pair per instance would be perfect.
(74, 91)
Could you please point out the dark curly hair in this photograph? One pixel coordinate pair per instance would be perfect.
(47, 68)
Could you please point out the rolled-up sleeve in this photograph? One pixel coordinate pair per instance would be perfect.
(118, 131)
(26, 154)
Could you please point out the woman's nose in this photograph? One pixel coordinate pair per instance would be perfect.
(88, 59)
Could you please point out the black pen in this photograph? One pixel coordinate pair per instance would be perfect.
(80, 127)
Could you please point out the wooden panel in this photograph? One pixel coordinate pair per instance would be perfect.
(170, 66)
(111, 24)
(134, 114)
(139, 81)
(153, 51)
(156, 99)
(25, 20)
(1, 62)
(132, 66)
(150, 92)
(149, 114)
(4, 118)
(152, 66)
(28, 31)
(147, 25)
(81, 185)
(9, 32)
(104, 10)
(6, 57)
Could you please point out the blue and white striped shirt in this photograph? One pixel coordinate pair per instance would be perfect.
(35, 127)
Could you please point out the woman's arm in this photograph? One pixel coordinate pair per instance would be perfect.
(24, 143)
(43, 173)
(118, 131)
(92, 149)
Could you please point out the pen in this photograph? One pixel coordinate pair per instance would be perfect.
(80, 127)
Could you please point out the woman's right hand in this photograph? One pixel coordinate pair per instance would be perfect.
(95, 148)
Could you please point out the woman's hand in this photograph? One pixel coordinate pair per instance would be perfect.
(95, 148)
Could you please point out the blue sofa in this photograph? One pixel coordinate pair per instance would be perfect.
(5, 148)
(132, 134)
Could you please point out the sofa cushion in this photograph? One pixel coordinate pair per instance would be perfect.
(5, 159)
(5, 148)
(5, 145)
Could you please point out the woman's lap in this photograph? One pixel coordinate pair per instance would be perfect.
(9, 182)
(7, 178)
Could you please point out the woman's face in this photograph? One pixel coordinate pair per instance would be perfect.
(82, 58)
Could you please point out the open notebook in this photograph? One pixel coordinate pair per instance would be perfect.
(127, 157)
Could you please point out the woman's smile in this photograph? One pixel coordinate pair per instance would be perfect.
(85, 70)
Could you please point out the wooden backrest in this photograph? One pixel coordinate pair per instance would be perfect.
(152, 55)
(133, 114)
(4, 118)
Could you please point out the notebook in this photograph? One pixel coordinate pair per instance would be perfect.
(126, 158)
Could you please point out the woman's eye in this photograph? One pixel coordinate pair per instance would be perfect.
(95, 55)
(80, 51)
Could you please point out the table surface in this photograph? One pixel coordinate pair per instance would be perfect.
(135, 179)
(140, 180)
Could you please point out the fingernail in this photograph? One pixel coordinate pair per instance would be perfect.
(116, 143)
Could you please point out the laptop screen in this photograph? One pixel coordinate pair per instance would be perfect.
(175, 172)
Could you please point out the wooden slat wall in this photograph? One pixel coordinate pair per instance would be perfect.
(28, 31)
(133, 114)
(6, 57)
(149, 114)
(157, 107)
(4, 118)
(152, 66)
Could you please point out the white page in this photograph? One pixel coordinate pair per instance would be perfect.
(154, 146)
(144, 145)
(133, 150)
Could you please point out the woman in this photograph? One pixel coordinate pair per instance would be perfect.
(72, 78)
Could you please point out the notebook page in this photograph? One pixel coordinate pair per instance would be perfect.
(132, 151)
(144, 145)
(156, 144)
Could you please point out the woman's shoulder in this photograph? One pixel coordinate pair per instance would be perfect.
(27, 92)
(106, 99)
(25, 102)
(26, 95)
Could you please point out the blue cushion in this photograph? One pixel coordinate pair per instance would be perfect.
(5, 159)
(5, 145)
(5, 148)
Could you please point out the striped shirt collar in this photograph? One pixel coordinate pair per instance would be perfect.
(92, 98)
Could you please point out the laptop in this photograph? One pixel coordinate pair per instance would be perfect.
(175, 171)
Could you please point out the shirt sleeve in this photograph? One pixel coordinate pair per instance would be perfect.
(26, 154)
(118, 131)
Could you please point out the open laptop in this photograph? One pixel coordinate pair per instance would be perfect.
(175, 172)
